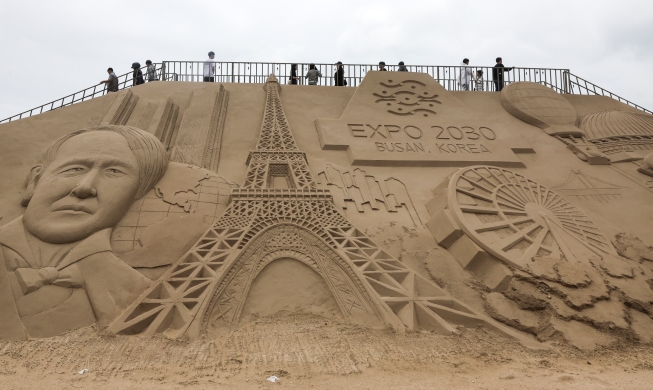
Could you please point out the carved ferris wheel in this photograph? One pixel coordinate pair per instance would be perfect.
(514, 218)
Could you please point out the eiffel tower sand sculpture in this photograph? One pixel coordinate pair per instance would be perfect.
(279, 212)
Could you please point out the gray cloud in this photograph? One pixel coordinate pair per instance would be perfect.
(51, 49)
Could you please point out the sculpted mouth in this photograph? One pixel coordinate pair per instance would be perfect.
(75, 207)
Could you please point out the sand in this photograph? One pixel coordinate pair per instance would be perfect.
(311, 351)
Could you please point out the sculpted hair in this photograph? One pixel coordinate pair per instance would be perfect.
(150, 153)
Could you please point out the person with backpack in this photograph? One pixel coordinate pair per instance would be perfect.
(137, 76)
(111, 82)
(151, 71)
(339, 75)
(497, 74)
(464, 75)
(313, 75)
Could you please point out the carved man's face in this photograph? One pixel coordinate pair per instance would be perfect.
(89, 186)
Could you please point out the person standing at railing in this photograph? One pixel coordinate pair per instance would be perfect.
(479, 80)
(497, 74)
(209, 69)
(382, 66)
(339, 75)
(137, 76)
(464, 75)
(313, 75)
(151, 71)
(294, 79)
(111, 82)
(402, 67)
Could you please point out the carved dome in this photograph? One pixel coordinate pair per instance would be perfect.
(616, 123)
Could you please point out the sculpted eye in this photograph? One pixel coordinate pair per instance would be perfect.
(115, 171)
(73, 170)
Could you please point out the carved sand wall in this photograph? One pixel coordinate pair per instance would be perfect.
(524, 238)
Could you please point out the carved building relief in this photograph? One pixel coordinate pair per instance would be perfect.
(599, 138)
(358, 188)
(582, 186)
(490, 218)
(288, 216)
(549, 260)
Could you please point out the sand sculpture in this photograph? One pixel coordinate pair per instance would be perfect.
(147, 222)
(58, 271)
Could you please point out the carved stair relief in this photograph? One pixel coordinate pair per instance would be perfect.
(147, 115)
(359, 188)
(105, 104)
(199, 137)
(121, 108)
(209, 283)
(490, 219)
(165, 124)
(582, 186)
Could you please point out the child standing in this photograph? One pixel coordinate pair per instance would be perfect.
(151, 71)
(479, 80)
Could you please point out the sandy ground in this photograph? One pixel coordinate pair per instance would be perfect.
(310, 351)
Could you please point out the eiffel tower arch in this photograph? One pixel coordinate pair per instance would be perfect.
(293, 241)
(279, 212)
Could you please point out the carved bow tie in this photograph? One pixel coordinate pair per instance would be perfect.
(31, 279)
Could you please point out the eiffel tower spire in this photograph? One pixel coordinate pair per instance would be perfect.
(277, 162)
(280, 213)
(275, 131)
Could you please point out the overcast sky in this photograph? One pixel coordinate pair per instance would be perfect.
(49, 49)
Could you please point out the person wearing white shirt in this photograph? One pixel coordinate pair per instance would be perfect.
(465, 75)
(209, 68)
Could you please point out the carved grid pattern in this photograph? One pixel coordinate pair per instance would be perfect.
(172, 302)
(256, 172)
(416, 301)
(275, 131)
(280, 242)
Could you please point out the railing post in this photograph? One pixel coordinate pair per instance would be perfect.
(163, 71)
(232, 72)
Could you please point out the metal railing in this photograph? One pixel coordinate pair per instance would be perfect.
(124, 81)
(448, 76)
(560, 80)
(580, 86)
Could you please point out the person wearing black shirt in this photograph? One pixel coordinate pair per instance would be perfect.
(137, 77)
(293, 74)
(339, 76)
(497, 74)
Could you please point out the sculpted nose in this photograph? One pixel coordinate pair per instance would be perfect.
(86, 188)
(83, 192)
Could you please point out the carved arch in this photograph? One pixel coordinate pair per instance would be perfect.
(299, 243)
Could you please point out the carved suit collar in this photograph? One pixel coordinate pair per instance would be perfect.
(13, 236)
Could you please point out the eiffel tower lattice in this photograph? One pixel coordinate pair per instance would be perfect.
(280, 213)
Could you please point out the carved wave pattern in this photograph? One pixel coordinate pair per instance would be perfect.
(408, 97)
